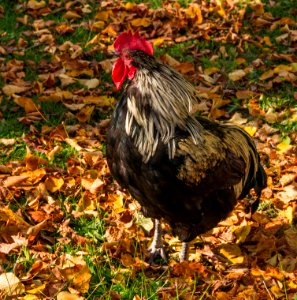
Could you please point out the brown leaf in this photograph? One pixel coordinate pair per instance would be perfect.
(71, 15)
(10, 89)
(14, 180)
(33, 4)
(185, 67)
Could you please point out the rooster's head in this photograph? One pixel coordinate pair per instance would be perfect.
(123, 67)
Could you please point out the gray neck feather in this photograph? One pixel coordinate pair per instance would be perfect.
(158, 101)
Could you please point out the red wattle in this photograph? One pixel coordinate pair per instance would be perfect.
(119, 72)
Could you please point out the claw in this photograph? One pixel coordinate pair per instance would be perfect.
(156, 248)
(156, 252)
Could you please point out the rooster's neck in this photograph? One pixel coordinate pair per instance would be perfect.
(159, 100)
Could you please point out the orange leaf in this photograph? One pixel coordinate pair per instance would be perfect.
(54, 184)
(145, 22)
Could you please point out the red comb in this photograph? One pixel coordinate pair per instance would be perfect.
(132, 41)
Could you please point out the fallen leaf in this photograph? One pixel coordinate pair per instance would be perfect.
(89, 83)
(144, 22)
(14, 180)
(68, 296)
(251, 130)
(232, 252)
(33, 4)
(236, 75)
(10, 285)
(54, 184)
(266, 75)
(10, 89)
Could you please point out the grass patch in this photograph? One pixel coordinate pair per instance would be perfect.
(62, 156)
(16, 152)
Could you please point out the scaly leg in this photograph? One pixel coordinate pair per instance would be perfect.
(156, 247)
(184, 252)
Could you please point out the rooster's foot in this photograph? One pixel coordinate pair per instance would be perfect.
(156, 248)
(155, 252)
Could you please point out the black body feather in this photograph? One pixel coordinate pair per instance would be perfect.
(196, 169)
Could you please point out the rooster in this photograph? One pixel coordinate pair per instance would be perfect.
(185, 169)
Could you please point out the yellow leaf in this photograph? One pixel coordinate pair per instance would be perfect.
(211, 70)
(288, 213)
(102, 15)
(242, 232)
(277, 292)
(38, 289)
(98, 25)
(236, 75)
(129, 5)
(35, 175)
(284, 147)
(280, 68)
(232, 252)
(86, 203)
(84, 115)
(158, 41)
(75, 270)
(31, 297)
(251, 130)
(110, 31)
(266, 75)
(54, 184)
(103, 100)
(145, 22)
(194, 11)
(267, 41)
(117, 202)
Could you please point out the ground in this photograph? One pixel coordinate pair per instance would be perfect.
(66, 228)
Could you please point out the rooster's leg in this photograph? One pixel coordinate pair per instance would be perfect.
(156, 247)
(184, 252)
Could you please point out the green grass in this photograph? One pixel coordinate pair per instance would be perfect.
(15, 152)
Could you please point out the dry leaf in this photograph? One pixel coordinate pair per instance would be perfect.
(10, 89)
(236, 75)
(54, 184)
(232, 252)
(10, 285)
(144, 22)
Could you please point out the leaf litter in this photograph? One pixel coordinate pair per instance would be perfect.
(244, 257)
